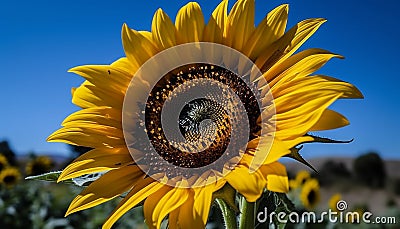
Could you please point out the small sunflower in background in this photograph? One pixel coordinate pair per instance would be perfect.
(3, 162)
(310, 194)
(300, 105)
(39, 165)
(335, 198)
(293, 184)
(301, 177)
(9, 176)
(357, 214)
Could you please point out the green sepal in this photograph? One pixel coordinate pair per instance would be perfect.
(228, 195)
(81, 181)
(326, 140)
(50, 176)
(294, 154)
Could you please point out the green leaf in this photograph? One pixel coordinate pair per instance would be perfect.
(51, 176)
(285, 202)
(81, 181)
(273, 202)
(87, 179)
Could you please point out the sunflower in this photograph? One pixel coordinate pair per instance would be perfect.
(195, 107)
(333, 201)
(301, 177)
(9, 176)
(355, 216)
(310, 195)
(39, 165)
(293, 184)
(3, 162)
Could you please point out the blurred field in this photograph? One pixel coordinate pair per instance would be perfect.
(367, 183)
(353, 191)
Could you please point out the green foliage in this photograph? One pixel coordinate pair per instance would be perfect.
(42, 205)
(370, 170)
(273, 202)
(27, 205)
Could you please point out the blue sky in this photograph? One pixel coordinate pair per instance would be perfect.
(40, 40)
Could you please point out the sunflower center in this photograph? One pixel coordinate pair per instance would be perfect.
(10, 179)
(190, 111)
(189, 115)
(312, 197)
(201, 119)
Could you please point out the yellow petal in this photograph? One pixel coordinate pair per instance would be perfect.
(95, 115)
(90, 135)
(330, 120)
(277, 180)
(124, 65)
(250, 185)
(137, 47)
(139, 192)
(85, 98)
(188, 217)
(268, 31)
(173, 219)
(297, 141)
(150, 203)
(214, 31)
(240, 24)
(88, 95)
(298, 112)
(163, 30)
(203, 199)
(105, 77)
(189, 23)
(288, 43)
(167, 201)
(96, 160)
(147, 35)
(305, 29)
(298, 66)
(279, 149)
(265, 149)
(117, 182)
(318, 84)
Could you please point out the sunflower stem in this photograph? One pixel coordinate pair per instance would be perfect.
(248, 214)
(228, 214)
